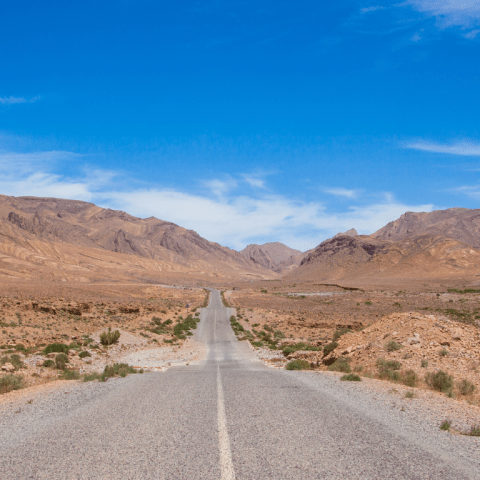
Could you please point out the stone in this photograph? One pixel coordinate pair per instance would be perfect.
(8, 367)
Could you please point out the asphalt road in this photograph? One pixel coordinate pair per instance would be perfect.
(229, 417)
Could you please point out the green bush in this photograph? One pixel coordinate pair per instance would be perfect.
(350, 377)
(474, 431)
(118, 369)
(341, 364)
(257, 344)
(14, 359)
(11, 382)
(109, 337)
(443, 352)
(71, 375)
(409, 378)
(330, 347)
(168, 322)
(90, 377)
(278, 334)
(48, 363)
(445, 425)
(298, 365)
(182, 329)
(392, 346)
(383, 364)
(424, 363)
(439, 381)
(61, 361)
(338, 333)
(84, 354)
(56, 348)
(465, 387)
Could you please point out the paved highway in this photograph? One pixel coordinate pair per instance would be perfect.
(229, 417)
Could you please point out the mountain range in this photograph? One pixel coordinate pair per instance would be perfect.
(70, 240)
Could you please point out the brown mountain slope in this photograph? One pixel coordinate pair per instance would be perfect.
(461, 224)
(275, 256)
(43, 232)
(366, 259)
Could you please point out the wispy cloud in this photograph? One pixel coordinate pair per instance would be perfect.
(220, 187)
(254, 181)
(464, 147)
(18, 100)
(472, 34)
(416, 38)
(371, 9)
(229, 219)
(342, 192)
(464, 13)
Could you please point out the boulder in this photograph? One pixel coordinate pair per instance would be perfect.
(8, 367)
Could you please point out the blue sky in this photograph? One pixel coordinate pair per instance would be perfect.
(247, 121)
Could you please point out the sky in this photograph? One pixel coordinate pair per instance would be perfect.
(246, 121)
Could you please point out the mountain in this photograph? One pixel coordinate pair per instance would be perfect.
(349, 233)
(72, 239)
(461, 224)
(275, 256)
(365, 259)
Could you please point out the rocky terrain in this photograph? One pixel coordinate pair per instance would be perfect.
(397, 336)
(33, 317)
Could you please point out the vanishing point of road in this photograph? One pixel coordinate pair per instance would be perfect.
(229, 417)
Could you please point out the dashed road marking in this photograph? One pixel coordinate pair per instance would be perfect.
(226, 464)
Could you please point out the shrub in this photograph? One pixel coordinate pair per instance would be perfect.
(443, 352)
(350, 377)
(278, 334)
(298, 365)
(11, 382)
(409, 394)
(330, 347)
(71, 375)
(118, 369)
(383, 364)
(392, 346)
(257, 344)
(91, 376)
(465, 387)
(48, 363)
(168, 322)
(61, 361)
(84, 354)
(181, 329)
(439, 381)
(409, 378)
(109, 337)
(56, 348)
(474, 431)
(424, 364)
(14, 359)
(445, 425)
(341, 364)
(338, 333)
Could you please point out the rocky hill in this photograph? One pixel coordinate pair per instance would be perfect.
(461, 224)
(275, 256)
(79, 239)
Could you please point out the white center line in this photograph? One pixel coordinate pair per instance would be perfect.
(226, 464)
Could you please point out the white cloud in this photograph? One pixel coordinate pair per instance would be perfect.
(464, 147)
(220, 187)
(254, 181)
(450, 12)
(371, 9)
(233, 220)
(472, 34)
(416, 37)
(342, 192)
(17, 100)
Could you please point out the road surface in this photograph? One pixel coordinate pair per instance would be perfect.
(229, 417)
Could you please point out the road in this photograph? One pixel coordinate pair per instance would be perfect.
(229, 417)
